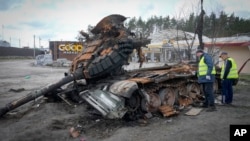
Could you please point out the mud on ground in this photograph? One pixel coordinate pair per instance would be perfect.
(50, 121)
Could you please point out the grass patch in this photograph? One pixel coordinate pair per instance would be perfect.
(244, 82)
(9, 58)
(244, 77)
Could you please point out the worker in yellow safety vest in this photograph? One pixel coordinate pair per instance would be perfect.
(206, 77)
(229, 74)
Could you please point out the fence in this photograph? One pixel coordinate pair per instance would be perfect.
(24, 52)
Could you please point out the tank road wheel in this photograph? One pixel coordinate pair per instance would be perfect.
(155, 102)
(181, 94)
(167, 96)
(182, 91)
(152, 104)
(194, 90)
(133, 105)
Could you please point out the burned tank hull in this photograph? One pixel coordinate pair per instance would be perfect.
(147, 90)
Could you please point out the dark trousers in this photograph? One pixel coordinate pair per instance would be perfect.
(209, 93)
(227, 91)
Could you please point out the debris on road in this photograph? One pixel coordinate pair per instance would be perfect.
(17, 90)
(74, 132)
(167, 110)
(193, 111)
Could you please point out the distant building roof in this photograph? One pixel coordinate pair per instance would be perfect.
(172, 36)
(229, 41)
(169, 34)
(4, 43)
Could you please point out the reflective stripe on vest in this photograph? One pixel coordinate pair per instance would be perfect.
(233, 72)
(202, 70)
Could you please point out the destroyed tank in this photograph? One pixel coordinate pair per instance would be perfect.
(97, 77)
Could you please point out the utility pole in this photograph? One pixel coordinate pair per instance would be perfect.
(39, 42)
(34, 47)
(19, 43)
(3, 32)
(199, 28)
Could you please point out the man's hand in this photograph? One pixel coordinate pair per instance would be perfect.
(208, 77)
(194, 73)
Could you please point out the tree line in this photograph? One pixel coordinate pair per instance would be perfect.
(214, 26)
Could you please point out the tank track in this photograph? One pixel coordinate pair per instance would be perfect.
(109, 48)
(99, 61)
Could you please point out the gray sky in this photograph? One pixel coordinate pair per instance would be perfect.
(62, 19)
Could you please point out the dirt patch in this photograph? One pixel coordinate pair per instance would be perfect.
(41, 120)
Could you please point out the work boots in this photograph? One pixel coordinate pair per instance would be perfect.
(211, 109)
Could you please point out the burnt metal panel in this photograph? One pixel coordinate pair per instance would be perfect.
(123, 88)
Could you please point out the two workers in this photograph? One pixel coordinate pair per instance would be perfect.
(206, 77)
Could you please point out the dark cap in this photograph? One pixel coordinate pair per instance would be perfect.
(199, 51)
(223, 53)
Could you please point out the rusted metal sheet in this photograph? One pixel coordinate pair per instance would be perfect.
(95, 43)
(123, 88)
(107, 23)
(161, 74)
(90, 49)
(151, 69)
(167, 110)
(193, 111)
(185, 101)
(142, 80)
(106, 51)
(86, 56)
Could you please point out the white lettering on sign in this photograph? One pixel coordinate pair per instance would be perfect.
(240, 132)
(70, 48)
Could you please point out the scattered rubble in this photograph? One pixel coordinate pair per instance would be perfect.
(62, 62)
(74, 132)
(16, 90)
(44, 60)
(168, 111)
(193, 111)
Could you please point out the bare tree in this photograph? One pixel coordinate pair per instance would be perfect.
(189, 45)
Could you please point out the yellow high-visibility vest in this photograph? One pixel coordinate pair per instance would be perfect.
(233, 72)
(202, 70)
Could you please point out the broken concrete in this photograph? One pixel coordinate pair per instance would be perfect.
(44, 59)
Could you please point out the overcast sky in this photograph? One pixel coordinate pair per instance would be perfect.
(60, 20)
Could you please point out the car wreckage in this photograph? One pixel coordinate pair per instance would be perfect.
(97, 76)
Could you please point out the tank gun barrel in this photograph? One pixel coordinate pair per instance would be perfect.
(137, 43)
(45, 90)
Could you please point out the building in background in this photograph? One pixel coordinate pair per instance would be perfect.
(237, 47)
(167, 47)
(65, 49)
(4, 43)
(171, 46)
